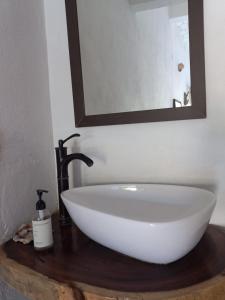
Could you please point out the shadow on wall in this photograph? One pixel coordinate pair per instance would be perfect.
(3, 227)
(75, 167)
(1, 148)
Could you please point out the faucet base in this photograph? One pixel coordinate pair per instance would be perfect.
(65, 221)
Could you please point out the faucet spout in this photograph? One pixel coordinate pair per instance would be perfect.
(68, 158)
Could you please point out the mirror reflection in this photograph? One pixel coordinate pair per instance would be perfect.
(134, 54)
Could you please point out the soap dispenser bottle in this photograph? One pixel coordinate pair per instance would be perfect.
(42, 225)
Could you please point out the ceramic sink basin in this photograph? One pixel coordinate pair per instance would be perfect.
(150, 222)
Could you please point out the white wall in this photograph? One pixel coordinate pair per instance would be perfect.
(26, 157)
(185, 152)
(26, 140)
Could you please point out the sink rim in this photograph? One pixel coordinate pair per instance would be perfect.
(210, 202)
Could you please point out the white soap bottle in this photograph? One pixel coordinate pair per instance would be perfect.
(42, 225)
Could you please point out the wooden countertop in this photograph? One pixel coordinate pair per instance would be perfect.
(78, 268)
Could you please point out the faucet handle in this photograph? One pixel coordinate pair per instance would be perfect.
(62, 142)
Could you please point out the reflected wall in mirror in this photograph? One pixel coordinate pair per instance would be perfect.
(134, 54)
(136, 60)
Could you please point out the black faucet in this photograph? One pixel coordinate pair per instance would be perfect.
(62, 160)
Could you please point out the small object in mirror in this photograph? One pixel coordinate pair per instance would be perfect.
(177, 103)
(180, 67)
(187, 98)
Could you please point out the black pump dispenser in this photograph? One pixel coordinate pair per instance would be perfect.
(42, 224)
(40, 205)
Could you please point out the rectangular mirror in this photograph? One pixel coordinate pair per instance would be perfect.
(136, 60)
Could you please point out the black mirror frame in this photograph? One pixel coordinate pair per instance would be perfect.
(197, 62)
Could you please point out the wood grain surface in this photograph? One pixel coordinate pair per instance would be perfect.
(75, 258)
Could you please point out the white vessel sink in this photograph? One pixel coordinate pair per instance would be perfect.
(151, 222)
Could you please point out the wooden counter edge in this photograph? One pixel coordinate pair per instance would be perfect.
(36, 286)
(31, 284)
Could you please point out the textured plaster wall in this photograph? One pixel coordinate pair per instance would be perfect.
(185, 152)
(26, 140)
